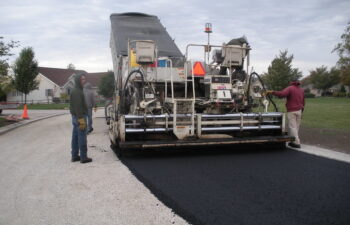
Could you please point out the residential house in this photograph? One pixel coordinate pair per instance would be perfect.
(92, 78)
(310, 88)
(318, 92)
(52, 83)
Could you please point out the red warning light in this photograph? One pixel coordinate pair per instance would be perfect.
(198, 69)
(208, 28)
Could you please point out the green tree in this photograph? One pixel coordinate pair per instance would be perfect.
(342, 89)
(323, 79)
(26, 71)
(107, 85)
(5, 51)
(280, 73)
(6, 83)
(343, 50)
(71, 66)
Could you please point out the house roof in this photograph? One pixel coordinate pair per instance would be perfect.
(94, 78)
(61, 76)
(58, 76)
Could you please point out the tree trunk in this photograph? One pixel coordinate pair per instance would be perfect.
(25, 98)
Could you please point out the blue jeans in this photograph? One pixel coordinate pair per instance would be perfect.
(78, 140)
(89, 119)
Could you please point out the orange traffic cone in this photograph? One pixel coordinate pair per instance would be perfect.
(25, 112)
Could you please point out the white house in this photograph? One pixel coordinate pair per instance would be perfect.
(45, 93)
(52, 83)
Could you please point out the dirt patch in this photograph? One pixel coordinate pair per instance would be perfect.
(5, 123)
(326, 138)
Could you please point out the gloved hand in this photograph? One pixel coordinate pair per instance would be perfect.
(268, 92)
(82, 124)
(95, 109)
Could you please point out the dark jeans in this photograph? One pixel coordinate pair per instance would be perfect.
(89, 119)
(78, 140)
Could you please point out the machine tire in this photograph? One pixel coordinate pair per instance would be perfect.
(117, 150)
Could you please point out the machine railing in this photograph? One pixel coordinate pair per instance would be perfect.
(205, 123)
(188, 128)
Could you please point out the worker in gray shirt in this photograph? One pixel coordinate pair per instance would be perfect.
(90, 103)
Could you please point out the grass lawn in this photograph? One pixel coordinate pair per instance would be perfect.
(324, 113)
(2, 121)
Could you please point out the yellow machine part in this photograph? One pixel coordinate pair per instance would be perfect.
(132, 57)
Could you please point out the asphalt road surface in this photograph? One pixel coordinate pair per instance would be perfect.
(251, 185)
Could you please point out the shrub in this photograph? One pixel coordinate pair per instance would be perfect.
(56, 100)
(327, 93)
(342, 89)
(309, 95)
(64, 97)
(339, 94)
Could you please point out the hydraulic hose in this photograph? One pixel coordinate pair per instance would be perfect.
(263, 85)
(126, 83)
(131, 73)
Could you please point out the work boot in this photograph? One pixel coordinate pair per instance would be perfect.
(76, 158)
(293, 145)
(86, 160)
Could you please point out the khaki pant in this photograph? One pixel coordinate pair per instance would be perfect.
(294, 120)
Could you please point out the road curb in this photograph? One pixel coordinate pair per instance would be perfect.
(326, 153)
(13, 126)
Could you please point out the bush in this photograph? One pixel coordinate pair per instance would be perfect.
(327, 93)
(56, 100)
(309, 95)
(64, 97)
(339, 94)
(342, 89)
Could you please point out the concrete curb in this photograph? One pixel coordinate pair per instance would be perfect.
(326, 153)
(13, 126)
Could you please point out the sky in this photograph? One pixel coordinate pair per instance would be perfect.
(66, 31)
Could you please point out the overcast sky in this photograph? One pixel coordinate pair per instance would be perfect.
(63, 32)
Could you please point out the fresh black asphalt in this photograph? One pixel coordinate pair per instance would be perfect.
(251, 185)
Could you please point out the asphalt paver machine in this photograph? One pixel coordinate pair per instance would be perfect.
(164, 98)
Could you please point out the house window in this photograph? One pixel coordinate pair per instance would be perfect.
(16, 93)
(48, 92)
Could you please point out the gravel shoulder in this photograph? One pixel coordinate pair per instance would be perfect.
(39, 184)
